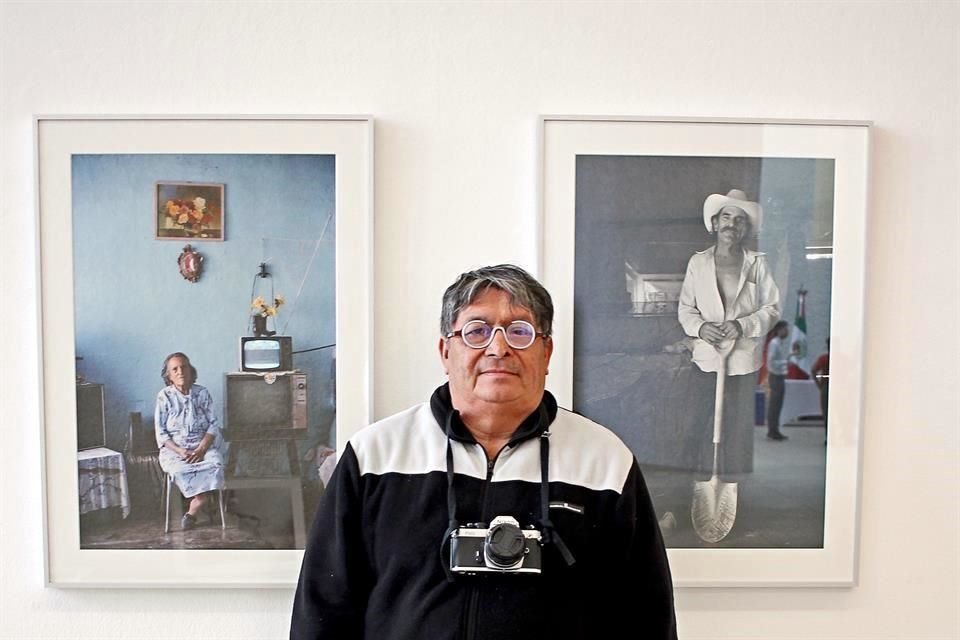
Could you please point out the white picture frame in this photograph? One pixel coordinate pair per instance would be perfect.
(58, 139)
(840, 146)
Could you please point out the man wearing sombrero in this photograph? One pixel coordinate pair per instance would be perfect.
(729, 301)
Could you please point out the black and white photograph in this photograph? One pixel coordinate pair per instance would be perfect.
(702, 290)
(709, 267)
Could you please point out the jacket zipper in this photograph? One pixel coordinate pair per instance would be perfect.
(470, 624)
(473, 599)
(490, 465)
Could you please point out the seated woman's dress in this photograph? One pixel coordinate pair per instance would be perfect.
(185, 419)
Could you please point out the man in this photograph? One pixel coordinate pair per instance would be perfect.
(779, 354)
(400, 547)
(728, 301)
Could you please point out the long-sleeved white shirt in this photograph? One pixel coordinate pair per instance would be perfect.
(756, 308)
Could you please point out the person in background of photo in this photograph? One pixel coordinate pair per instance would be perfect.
(779, 353)
(821, 376)
(188, 435)
(427, 529)
(729, 300)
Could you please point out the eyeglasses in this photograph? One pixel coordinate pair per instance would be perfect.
(477, 334)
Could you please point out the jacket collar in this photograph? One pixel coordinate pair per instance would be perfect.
(532, 426)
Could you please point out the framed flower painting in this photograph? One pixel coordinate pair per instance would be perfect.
(189, 210)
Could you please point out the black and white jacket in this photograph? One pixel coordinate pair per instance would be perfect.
(376, 565)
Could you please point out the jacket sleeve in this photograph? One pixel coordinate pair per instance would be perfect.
(757, 323)
(336, 575)
(687, 311)
(642, 593)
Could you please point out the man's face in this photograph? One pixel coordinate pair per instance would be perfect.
(732, 225)
(482, 379)
(178, 372)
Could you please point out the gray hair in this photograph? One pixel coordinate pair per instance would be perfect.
(523, 289)
(186, 359)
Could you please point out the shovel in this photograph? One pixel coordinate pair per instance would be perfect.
(714, 507)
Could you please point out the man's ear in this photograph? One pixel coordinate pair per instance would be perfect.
(548, 352)
(444, 351)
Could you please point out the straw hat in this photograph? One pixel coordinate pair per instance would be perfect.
(734, 198)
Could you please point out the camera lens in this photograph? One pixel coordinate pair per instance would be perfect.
(505, 545)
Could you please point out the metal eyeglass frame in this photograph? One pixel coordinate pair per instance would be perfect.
(493, 333)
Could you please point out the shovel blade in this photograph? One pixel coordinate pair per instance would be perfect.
(714, 509)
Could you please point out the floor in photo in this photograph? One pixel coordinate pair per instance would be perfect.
(254, 520)
(779, 505)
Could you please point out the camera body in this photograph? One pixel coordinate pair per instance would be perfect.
(503, 547)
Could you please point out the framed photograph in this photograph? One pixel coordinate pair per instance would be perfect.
(189, 418)
(708, 276)
(189, 210)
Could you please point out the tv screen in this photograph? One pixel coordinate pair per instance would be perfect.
(274, 353)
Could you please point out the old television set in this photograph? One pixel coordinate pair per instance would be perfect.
(258, 403)
(266, 353)
(91, 425)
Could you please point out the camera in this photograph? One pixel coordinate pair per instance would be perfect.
(503, 547)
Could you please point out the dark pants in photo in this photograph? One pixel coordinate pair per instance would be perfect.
(777, 389)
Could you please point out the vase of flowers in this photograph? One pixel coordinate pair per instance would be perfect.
(261, 311)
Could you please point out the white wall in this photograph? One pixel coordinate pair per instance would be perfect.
(456, 88)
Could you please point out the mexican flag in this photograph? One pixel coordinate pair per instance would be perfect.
(799, 367)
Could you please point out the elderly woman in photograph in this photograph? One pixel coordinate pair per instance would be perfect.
(188, 434)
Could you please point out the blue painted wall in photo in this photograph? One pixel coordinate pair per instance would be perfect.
(133, 307)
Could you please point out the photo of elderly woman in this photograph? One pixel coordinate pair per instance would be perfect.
(189, 438)
(230, 457)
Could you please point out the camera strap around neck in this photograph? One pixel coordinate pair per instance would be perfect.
(452, 524)
(550, 535)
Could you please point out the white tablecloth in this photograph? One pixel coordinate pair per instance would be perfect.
(801, 398)
(102, 480)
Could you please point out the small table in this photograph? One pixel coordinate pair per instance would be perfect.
(801, 398)
(102, 480)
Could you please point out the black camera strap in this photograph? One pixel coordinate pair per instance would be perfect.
(550, 535)
(452, 524)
